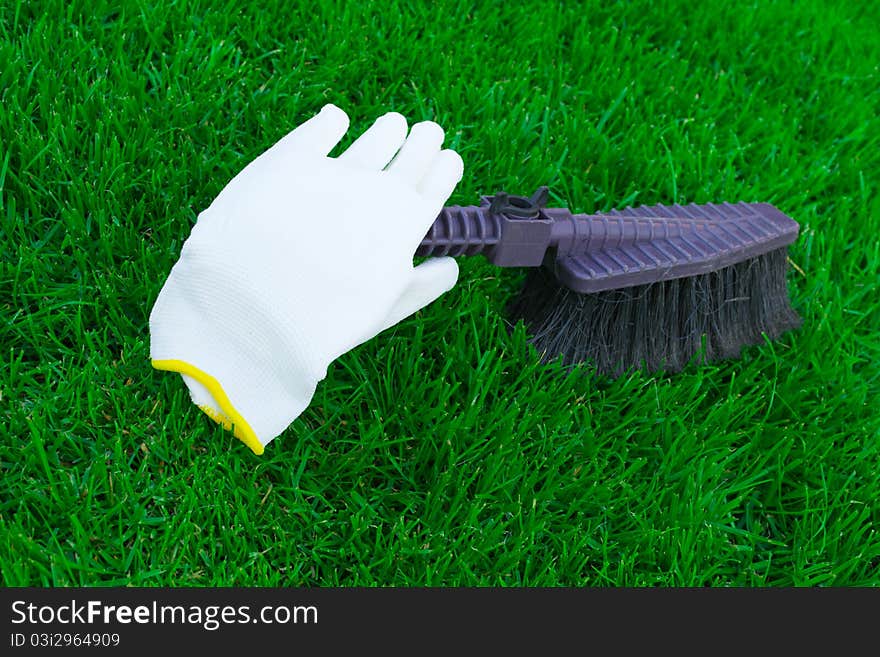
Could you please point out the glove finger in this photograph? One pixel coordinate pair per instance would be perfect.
(430, 279)
(417, 153)
(443, 175)
(374, 149)
(316, 136)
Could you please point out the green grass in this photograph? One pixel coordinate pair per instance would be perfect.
(441, 452)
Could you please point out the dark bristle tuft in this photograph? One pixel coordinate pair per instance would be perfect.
(659, 326)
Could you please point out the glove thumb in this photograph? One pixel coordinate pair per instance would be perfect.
(430, 279)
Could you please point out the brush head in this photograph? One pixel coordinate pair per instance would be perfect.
(657, 287)
(656, 243)
(662, 325)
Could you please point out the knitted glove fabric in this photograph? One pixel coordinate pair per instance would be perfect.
(300, 258)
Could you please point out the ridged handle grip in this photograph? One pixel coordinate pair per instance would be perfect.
(505, 240)
(462, 230)
(474, 230)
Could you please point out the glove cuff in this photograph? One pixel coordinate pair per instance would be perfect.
(228, 415)
(234, 351)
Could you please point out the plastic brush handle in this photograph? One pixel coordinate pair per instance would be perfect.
(462, 230)
(615, 249)
(511, 231)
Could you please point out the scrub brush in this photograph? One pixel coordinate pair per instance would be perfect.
(653, 287)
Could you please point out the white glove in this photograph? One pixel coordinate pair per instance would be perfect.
(300, 258)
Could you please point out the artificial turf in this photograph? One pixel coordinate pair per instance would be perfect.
(440, 452)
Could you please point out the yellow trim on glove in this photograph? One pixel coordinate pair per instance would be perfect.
(231, 419)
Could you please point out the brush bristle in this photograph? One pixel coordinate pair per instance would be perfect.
(659, 326)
